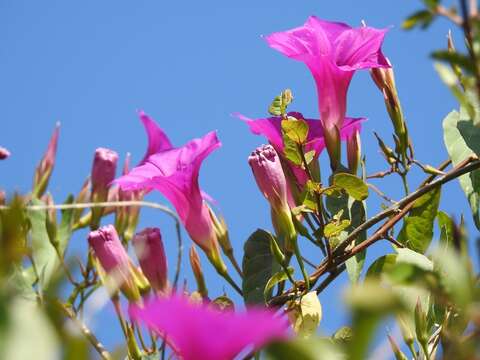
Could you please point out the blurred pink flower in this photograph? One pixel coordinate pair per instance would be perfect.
(333, 52)
(201, 332)
(174, 172)
(4, 153)
(151, 256)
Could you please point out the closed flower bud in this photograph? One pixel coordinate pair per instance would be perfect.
(45, 167)
(354, 152)
(4, 153)
(271, 181)
(114, 260)
(197, 271)
(151, 256)
(103, 172)
(3, 197)
(221, 231)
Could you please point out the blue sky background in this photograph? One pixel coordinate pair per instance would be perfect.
(92, 64)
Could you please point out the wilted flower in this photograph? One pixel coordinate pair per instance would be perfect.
(198, 331)
(151, 256)
(333, 52)
(114, 259)
(174, 172)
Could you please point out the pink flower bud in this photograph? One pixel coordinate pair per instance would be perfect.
(151, 255)
(4, 153)
(103, 170)
(114, 259)
(354, 151)
(269, 176)
(45, 167)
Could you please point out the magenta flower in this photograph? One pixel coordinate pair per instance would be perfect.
(333, 52)
(157, 140)
(271, 128)
(200, 332)
(174, 172)
(151, 256)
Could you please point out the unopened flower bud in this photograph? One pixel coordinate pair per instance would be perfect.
(114, 260)
(399, 355)
(151, 256)
(354, 151)
(82, 197)
(3, 197)
(4, 153)
(103, 173)
(221, 231)
(51, 219)
(333, 144)
(45, 167)
(271, 181)
(197, 272)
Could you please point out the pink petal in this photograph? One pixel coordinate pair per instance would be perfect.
(157, 139)
(197, 331)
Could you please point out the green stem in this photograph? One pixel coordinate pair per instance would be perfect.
(302, 266)
(227, 277)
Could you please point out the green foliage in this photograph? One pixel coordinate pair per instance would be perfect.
(294, 134)
(280, 103)
(304, 349)
(305, 314)
(421, 18)
(258, 267)
(43, 252)
(417, 230)
(65, 228)
(354, 186)
(274, 280)
(462, 140)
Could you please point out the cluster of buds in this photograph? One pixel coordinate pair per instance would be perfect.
(270, 178)
(118, 271)
(45, 167)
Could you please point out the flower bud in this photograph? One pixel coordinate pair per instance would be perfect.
(45, 167)
(221, 231)
(81, 198)
(271, 181)
(197, 271)
(4, 153)
(354, 151)
(148, 246)
(103, 173)
(334, 148)
(3, 197)
(114, 260)
(399, 355)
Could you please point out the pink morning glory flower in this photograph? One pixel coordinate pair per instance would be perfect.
(271, 128)
(174, 172)
(333, 52)
(200, 332)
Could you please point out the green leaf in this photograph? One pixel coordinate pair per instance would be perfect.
(280, 103)
(304, 349)
(422, 18)
(305, 314)
(381, 266)
(417, 230)
(258, 266)
(334, 228)
(295, 130)
(274, 280)
(354, 186)
(29, 334)
(291, 151)
(66, 227)
(454, 58)
(223, 303)
(447, 228)
(407, 256)
(431, 4)
(462, 140)
(358, 215)
(343, 335)
(43, 253)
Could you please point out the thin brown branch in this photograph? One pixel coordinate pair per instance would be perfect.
(449, 14)
(381, 193)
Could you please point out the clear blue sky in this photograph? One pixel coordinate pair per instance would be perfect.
(190, 64)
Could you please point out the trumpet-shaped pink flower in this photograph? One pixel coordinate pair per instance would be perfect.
(151, 256)
(200, 332)
(271, 128)
(174, 172)
(333, 52)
